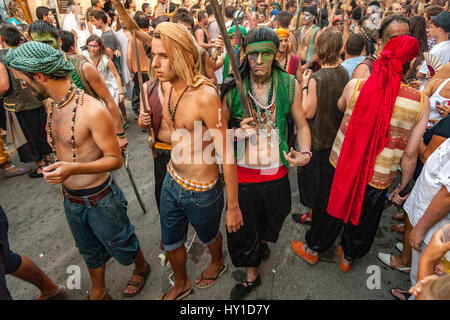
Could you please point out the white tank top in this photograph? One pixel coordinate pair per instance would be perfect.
(437, 100)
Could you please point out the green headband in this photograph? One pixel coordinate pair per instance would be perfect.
(32, 57)
(262, 46)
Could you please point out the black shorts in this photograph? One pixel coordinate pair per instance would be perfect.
(264, 208)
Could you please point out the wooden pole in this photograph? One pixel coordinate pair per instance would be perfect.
(25, 11)
(234, 62)
(150, 139)
(299, 13)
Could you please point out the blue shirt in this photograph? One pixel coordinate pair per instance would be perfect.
(351, 63)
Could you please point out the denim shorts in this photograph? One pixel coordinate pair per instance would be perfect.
(104, 230)
(179, 206)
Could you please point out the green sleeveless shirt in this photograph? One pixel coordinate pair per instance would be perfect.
(285, 90)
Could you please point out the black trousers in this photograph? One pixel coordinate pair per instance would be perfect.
(356, 240)
(33, 124)
(308, 177)
(160, 167)
(135, 95)
(264, 208)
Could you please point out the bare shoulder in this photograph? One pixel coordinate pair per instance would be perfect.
(93, 109)
(207, 96)
(432, 85)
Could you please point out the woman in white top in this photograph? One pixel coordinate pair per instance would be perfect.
(439, 92)
(96, 55)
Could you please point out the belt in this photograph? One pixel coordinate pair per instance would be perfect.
(93, 199)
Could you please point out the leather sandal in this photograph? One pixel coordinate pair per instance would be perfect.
(139, 285)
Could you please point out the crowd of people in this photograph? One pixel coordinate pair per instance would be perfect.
(356, 95)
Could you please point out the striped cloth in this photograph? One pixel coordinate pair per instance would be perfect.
(189, 184)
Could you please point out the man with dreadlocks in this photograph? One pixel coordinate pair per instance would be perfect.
(81, 134)
(262, 152)
(191, 192)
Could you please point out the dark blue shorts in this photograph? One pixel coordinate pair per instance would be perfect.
(104, 230)
(9, 261)
(179, 206)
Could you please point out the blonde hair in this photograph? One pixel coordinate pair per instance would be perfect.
(181, 49)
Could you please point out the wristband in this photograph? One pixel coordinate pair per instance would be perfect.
(306, 152)
(122, 135)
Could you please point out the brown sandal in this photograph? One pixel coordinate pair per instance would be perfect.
(139, 285)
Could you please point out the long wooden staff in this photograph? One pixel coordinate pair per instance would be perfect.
(320, 12)
(150, 139)
(333, 13)
(299, 13)
(24, 10)
(234, 61)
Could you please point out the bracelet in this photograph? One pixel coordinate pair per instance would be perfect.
(305, 88)
(306, 152)
(122, 135)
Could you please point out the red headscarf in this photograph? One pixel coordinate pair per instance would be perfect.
(368, 129)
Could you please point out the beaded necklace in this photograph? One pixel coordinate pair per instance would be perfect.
(286, 62)
(172, 113)
(263, 111)
(78, 101)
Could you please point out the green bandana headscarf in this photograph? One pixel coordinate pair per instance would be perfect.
(33, 57)
(232, 31)
(261, 46)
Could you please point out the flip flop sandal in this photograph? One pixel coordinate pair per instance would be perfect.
(301, 217)
(400, 294)
(399, 216)
(180, 296)
(105, 297)
(399, 228)
(139, 285)
(222, 270)
(60, 294)
(386, 259)
(10, 172)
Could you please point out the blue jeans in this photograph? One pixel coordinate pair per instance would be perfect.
(179, 206)
(9, 261)
(104, 230)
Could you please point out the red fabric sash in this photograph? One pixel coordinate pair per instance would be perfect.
(368, 129)
(293, 65)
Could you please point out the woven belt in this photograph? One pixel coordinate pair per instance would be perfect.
(93, 199)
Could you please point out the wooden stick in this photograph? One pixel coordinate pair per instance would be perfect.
(150, 139)
(299, 13)
(234, 61)
(24, 10)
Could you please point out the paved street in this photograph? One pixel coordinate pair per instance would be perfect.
(38, 229)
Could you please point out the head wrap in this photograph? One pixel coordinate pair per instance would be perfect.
(368, 130)
(282, 33)
(33, 57)
(182, 51)
(232, 31)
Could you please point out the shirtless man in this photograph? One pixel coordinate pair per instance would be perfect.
(191, 191)
(264, 190)
(81, 133)
(86, 76)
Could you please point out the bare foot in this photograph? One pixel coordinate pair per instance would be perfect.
(397, 262)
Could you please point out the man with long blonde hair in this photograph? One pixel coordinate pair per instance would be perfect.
(192, 192)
